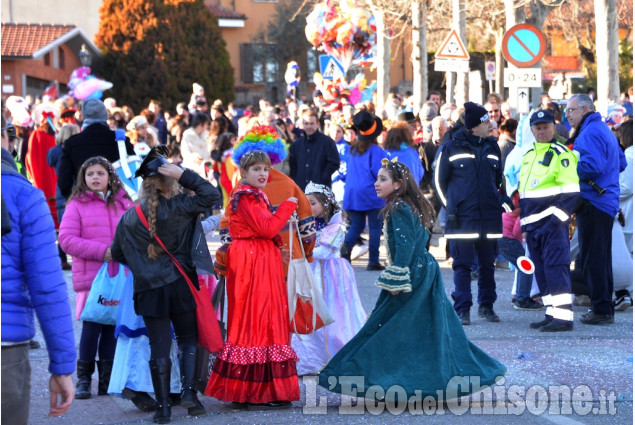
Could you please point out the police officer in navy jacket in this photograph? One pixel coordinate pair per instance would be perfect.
(467, 177)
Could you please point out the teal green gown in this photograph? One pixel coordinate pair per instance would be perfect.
(413, 339)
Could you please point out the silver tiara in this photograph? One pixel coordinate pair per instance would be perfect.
(331, 202)
(317, 188)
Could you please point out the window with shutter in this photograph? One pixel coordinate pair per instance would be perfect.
(257, 63)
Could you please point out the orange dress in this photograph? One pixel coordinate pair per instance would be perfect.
(256, 363)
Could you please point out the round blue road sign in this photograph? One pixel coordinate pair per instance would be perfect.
(524, 45)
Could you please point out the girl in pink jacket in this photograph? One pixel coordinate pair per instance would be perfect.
(88, 228)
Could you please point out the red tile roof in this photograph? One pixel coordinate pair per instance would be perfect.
(561, 63)
(223, 13)
(22, 40)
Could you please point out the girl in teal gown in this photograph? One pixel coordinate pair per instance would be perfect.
(413, 337)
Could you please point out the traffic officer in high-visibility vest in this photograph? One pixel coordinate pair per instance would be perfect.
(549, 188)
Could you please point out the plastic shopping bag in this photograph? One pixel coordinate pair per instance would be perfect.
(104, 297)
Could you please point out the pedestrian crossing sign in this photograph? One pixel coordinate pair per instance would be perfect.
(331, 68)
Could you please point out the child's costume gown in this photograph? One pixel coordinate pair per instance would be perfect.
(339, 287)
(413, 339)
(130, 367)
(256, 363)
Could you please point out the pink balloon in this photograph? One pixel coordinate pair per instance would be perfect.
(355, 96)
(84, 89)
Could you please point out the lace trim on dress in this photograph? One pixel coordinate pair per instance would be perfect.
(248, 190)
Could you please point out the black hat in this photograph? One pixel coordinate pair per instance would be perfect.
(475, 115)
(367, 126)
(542, 115)
(151, 163)
(406, 116)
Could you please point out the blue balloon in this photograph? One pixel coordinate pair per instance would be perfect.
(97, 94)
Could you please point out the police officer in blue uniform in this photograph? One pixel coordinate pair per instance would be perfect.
(467, 177)
(549, 187)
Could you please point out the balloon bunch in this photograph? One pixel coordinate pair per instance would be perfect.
(356, 91)
(85, 86)
(341, 29)
(261, 138)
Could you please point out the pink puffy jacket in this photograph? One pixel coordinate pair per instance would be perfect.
(87, 230)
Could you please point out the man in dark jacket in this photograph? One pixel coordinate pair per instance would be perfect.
(313, 157)
(467, 177)
(96, 139)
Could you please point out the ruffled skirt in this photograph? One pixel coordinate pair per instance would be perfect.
(256, 363)
(341, 297)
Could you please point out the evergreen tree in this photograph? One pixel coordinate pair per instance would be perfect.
(156, 49)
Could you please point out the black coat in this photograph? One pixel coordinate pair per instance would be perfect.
(313, 158)
(95, 140)
(467, 177)
(178, 227)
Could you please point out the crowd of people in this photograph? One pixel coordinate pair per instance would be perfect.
(302, 180)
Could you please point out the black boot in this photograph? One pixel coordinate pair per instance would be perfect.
(160, 370)
(189, 400)
(104, 368)
(345, 252)
(141, 400)
(84, 373)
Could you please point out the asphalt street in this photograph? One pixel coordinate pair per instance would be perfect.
(593, 365)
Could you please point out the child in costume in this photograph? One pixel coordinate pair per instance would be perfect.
(413, 337)
(223, 165)
(42, 139)
(256, 367)
(278, 189)
(95, 206)
(339, 287)
(161, 292)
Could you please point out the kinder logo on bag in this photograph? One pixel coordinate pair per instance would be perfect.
(106, 302)
(102, 304)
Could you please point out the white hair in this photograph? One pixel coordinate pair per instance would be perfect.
(583, 100)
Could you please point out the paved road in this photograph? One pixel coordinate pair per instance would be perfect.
(593, 363)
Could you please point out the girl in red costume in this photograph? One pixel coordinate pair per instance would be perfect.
(256, 367)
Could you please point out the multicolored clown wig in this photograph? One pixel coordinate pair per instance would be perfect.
(262, 138)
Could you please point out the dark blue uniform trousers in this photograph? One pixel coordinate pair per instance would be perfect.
(548, 246)
(462, 252)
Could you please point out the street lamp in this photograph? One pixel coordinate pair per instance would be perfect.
(85, 56)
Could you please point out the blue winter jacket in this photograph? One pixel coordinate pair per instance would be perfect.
(361, 174)
(32, 278)
(467, 176)
(601, 160)
(410, 157)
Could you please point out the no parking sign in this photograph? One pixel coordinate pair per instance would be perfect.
(524, 45)
(490, 70)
